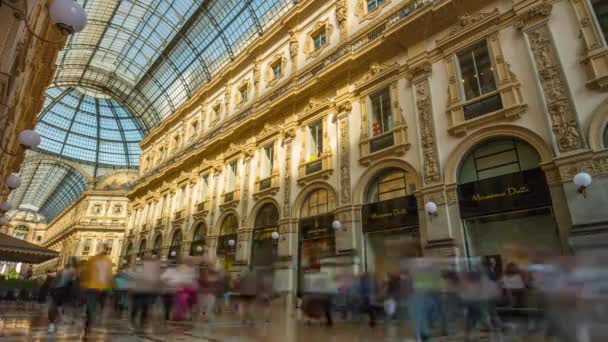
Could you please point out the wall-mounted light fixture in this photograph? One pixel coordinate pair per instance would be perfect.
(582, 180)
(431, 209)
(13, 182)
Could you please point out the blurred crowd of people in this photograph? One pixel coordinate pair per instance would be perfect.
(561, 296)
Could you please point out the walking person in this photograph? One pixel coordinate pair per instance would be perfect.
(367, 292)
(146, 287)
(62, 291)
(97, 281)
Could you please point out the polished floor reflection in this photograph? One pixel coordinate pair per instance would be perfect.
(30, 324)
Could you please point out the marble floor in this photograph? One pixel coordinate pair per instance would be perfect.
(30, 324)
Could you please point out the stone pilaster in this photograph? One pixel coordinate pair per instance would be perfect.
(532, 20)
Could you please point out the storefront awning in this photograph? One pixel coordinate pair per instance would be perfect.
(17, 250)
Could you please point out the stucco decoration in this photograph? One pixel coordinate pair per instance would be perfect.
(288, 142)
(342, 18)
(345, 190)
(466, 21)
(427, 132)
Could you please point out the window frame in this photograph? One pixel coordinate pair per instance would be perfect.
(231, 173)
(372, 114)
(311, 139)
(460, 80)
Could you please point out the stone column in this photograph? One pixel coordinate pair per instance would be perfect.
(243, 251)
(436, 233)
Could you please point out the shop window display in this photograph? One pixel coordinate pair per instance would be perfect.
(226, 251)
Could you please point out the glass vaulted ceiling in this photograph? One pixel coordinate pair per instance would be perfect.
(87, 126)
(152, 55)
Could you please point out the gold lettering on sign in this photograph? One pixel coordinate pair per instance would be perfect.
(510, 191)
(394, 212)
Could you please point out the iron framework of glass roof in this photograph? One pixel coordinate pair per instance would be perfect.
(152, 55)
(76, 125)
(48, 187)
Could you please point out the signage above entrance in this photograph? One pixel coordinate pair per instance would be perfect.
(517, 191)
(399, 212)
(316, 227)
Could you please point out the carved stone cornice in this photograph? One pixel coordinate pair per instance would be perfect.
(267, 131)
(530, 17)
(419, 71)
(376, 71)
(594, 163)
(293, 45)
(426, 125)
(467, 25)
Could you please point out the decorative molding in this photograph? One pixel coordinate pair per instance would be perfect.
(362, 13)
(536, 15)
(344, 153)
(278, 58)
(293, 45)
(467, 21)
(560, 108)
(267, 131)
(426, 125)
(376, 71)
(342, 18)
(468, 28)
(288, 141)
(309, 46)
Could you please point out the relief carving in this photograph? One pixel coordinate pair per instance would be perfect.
(342, 16)
(376, 69)
(287, 177)
(293, 44)
(427, 133)
(563, 119)
(467, 20)
(345, 191)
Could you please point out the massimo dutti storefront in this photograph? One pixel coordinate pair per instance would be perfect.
(390, 221)
(505, 203)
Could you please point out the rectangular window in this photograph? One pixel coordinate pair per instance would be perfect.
(182, 195)
(97, 209)
(231, 181)
(276, 70)
(162, 207)
(319, 39)
(204, 188)
(268, 162)
(601, 13)
(110, 245)
(87, 247)
(476, 71)
(382, 114)
(373, 4)
(244, 94)
(117, 209)
(215, 114)
(315, 141)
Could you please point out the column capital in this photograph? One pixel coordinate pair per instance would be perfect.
(532, 14)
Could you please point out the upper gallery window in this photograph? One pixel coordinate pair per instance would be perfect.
(97, 209)
(276, 69)
(87, 247)
(601, 12)
(319, 39)
(194, 129)
(268, 161)
(215, 113)
(182, 195)
(244, 93)
(231, 179)
(204, 188)
(382, 115)
(476, 71)
(373, 5)
(315, 139)
(110, 245)
(117, 209)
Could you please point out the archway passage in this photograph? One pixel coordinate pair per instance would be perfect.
(142, 249)
(505, 204)
(264, 246)
(226, 243)
(198, 239)
(317, 237)
(157, 246)
(176, 245)
(390, 221)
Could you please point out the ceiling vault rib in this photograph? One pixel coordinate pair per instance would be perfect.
(101, 36)
(67, 133)
(181, 33)
(255, 18)
(221, 32)
(98, 138)
(122, 134)
(28, 183)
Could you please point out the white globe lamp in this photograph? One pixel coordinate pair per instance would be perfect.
(336, 225)
(13, 182)
(582, 180)
(68, 15)
(275, 235)
(231, 243)
(199, 249)
(173, 253)
(431, 208)
(29, 138)
(6, 206)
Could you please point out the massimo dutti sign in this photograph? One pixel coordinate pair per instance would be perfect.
(316, 227)
(393, 213)
(517, 191)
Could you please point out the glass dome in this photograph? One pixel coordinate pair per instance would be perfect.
(77, 124)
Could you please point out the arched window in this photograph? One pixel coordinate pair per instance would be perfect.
(390, 183)
(606, 137)
(142, 248)
(158, 244)
(198, 239)
(318, 202)
(497, 157)
(229, 226)
(176, 243)
(21, 232)
(267, 217)
(129, 249)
